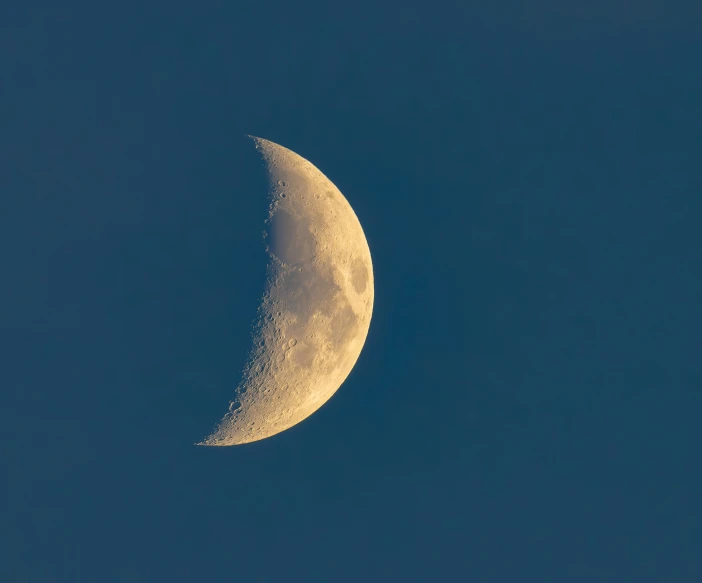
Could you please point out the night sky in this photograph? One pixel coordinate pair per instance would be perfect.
(527, 405)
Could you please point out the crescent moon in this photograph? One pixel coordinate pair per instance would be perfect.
(316, 309)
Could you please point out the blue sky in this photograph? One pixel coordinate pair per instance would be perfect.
(526, 406)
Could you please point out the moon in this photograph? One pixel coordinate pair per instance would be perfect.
(316, 309)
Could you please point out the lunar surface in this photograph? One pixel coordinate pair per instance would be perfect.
(316, 308)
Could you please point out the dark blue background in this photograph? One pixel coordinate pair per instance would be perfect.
(527, 404)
